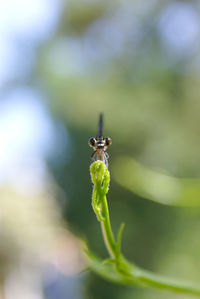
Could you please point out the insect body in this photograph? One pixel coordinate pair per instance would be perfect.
(100, 144)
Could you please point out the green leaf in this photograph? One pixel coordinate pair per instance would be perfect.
(119, 238)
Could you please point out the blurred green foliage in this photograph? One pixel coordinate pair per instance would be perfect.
(116, 57)
(156, 186)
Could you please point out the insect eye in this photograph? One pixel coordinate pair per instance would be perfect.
(108, 141)
(92, 142)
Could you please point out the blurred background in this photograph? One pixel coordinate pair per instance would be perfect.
(61, 64)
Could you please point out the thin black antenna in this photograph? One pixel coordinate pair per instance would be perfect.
(100, 127)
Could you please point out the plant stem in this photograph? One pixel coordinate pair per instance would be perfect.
(107, 230)
(125, 272)
(161, 282)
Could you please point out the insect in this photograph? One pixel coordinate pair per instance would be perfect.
(100, 144)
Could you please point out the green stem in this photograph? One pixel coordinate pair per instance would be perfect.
(107, 230)
(157, 281)
(125, 272)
